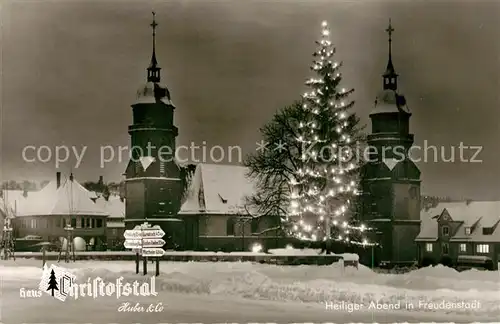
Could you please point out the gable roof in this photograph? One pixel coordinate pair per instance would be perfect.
(218, 189)
(114, 206)
(483, 214)
(71, 198)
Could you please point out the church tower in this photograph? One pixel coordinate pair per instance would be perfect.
(390, 179)
(153, 184)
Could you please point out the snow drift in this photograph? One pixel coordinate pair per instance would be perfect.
(306, 284)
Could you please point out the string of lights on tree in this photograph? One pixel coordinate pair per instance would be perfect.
(324, 184)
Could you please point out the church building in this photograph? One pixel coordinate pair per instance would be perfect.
(198, 206)
(390, 179)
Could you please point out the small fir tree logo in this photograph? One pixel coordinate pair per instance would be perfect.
(52, 283)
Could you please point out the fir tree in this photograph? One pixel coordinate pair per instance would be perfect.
(309, 173)
(52, 283)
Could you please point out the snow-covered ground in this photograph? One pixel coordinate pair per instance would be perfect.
(207, 292)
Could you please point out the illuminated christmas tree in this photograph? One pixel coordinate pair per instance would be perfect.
(309, 173)
(324, 187)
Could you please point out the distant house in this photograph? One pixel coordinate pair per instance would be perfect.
(45, 213)
(462, 232)
(216, 205)
(115, 226)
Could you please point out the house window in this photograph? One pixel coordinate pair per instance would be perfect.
(99, 223)
(92, 222)
(88, 223)
(463, 247)
(230, 226)
(255, 225)
(82, 222)
(446, 230)
(445, 248)
(33, 223)
(467, 231)
(483, 248)
(73, 222)
(428, 247)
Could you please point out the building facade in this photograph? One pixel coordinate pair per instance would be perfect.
(461, 233)
(390, 179)
(46, 212)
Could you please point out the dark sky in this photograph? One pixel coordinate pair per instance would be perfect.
(70, 71)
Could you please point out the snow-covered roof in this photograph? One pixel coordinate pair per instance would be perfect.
(428, 223)
(71, 198)
(146, 94)
(218, 189)
(114, 206)
(475, 215)
(387, 102)
(115, 224)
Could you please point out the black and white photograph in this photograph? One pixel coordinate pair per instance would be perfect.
(249, 161)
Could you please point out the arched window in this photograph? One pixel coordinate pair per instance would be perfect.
(230, 226)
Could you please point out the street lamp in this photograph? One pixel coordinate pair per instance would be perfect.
(8, 241)
(70, 247)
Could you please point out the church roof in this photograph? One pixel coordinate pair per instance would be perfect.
(389, 101)
(151, 93)
(218, 189)
(71, 198)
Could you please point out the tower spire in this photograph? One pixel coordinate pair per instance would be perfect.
(390, 75)
(154, 69)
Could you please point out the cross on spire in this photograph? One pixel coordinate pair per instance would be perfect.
(154, 69)
(389, 30)
(390, 76)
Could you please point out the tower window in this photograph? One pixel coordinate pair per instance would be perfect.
(428, 247)
(445, 230)
(162, 169)
(467, 231)
(463, 247)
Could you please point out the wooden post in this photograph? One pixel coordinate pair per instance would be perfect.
(157, 266)
(145, 265)
(373, 257)
(43, 257)
(137, 258)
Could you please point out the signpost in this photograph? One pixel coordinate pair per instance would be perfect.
(146, 240)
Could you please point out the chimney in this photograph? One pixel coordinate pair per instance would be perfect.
(468, 201)
(58, 179)
(71, 177)
(25, 192)
(101, 180)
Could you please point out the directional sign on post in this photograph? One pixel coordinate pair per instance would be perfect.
(145, 239)
(133, 244)
(153, 243)
(152, 252)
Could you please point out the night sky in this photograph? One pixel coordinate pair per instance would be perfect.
(71, 70)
